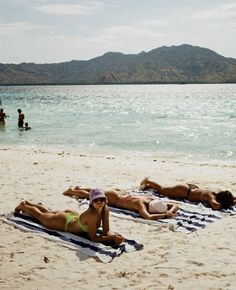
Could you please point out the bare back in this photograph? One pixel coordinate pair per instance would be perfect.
(127, 201)
(21, 116)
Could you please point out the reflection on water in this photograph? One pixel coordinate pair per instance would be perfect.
(160, 119)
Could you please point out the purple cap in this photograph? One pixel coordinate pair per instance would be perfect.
(96, 193)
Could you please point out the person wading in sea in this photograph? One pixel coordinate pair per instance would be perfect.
(21, 118)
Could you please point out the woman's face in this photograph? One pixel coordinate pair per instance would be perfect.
(98, 203)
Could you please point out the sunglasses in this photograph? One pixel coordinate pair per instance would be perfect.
(101, 199)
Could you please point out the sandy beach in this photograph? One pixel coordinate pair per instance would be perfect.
(205, 259)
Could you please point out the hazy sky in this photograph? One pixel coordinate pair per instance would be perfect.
(45, 31)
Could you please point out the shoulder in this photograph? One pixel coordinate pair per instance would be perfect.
(106, 208)
(89, 216)
(105, 213)
(90, 212)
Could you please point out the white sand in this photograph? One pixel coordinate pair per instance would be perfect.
(205, 259)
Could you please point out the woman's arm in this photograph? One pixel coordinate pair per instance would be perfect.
(146, 215)
(107, 234)
(172, 209)
(105, 222)
(234, 200)
(106, 228)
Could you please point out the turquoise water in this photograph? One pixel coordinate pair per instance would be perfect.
(195, 121)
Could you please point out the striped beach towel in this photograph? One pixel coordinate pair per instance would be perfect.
(105, 252)
(187, 220)
(191, 217)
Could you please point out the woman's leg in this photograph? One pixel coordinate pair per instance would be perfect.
(55, 221)
(88, 189)
(39, 206)
(81, 193)
(146, 184)
(177, 191)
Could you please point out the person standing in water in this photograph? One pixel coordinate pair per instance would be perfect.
(2, 117)
(21, 118)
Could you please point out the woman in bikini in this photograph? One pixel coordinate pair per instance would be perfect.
(148, 207)
(217, 201)
(72, 222)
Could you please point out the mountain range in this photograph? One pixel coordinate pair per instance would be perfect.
(174, 64)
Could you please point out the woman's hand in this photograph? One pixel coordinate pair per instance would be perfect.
(170, 214)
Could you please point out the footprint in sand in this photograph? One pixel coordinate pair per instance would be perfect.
(195, 263)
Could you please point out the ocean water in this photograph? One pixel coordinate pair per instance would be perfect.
(190, 121)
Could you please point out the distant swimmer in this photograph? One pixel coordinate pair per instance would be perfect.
(27, 127)
(2, 117)
(21, 118)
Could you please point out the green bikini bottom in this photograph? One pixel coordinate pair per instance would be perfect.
(71, 216)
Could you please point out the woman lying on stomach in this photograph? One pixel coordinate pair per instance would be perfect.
(72, 222)
(216, 200)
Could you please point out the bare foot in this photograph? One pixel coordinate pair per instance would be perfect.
(20, 207)
(144, 183)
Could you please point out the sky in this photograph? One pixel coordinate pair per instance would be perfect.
(49, 31)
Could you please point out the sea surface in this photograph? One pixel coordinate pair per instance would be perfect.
(190, 121)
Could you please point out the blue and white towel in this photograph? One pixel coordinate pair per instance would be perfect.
(191, 217)
(186, 221)
(105, 252)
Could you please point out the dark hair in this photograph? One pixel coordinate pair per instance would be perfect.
(225, 198)
(19, 110)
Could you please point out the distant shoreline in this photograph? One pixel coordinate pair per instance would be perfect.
(183, 64)
(123, 83)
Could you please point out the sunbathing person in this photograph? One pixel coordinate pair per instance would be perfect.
(72, 222)
(148, 207)
(217, 201)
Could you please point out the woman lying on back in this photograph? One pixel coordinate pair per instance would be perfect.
(72, 222)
